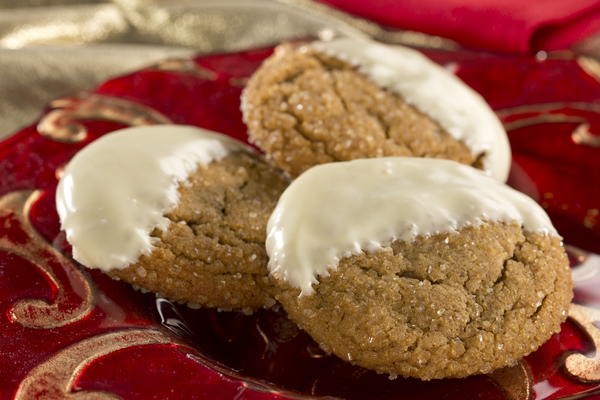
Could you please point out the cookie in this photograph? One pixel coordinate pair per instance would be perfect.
(348, 99)
(205, 246)
(213, 252)
(417, 267)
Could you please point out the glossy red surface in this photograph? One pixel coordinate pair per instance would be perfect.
(203, 354)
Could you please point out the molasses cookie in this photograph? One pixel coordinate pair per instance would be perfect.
(176, 210)
(417, 267)
(346, 99)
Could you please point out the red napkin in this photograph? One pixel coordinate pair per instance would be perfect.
(503, 25)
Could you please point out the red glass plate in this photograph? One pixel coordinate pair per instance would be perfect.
(68, 332)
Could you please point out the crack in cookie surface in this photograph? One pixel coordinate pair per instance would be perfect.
(305, 108)
(213, 252)
(450, 305)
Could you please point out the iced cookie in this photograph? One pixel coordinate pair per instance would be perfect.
(346, 99)
(176, 210)
(417, 267)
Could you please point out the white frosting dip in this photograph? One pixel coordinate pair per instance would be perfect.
(461, 111)
(339, 209)
(115, 191)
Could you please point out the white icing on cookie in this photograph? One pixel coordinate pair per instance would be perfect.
(339, 209)
(116, 190)
(458, 109)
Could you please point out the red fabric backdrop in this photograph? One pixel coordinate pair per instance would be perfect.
(520, 26)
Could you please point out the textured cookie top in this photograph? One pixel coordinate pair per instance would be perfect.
(115, 191)
(339, 209)
(447, 305)
(213, 252)
(462, 112)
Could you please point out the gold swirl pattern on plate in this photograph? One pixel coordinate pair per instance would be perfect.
(62, 124)
(590, 65)
(55, 377)
(184, 66)
(576, 364)
(547, 113)
(582, 135)
(62, 274)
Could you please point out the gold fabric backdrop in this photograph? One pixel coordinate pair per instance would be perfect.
(52, 48)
